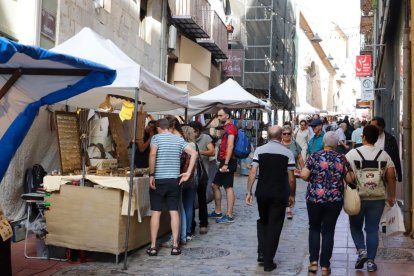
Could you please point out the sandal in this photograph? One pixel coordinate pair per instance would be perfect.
(313, 267)
(326, 271)
(175, 250)
(152, 251)
(289, 214)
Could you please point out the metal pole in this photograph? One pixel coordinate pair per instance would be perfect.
(407, 98)
(131, 177)
(163, 39)
(257, 129)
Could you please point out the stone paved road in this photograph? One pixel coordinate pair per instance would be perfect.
(226, 249)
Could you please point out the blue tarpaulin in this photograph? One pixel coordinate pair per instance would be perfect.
(43, 78)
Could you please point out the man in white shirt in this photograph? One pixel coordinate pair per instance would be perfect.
(342, 146)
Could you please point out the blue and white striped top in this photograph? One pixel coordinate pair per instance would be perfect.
(169, 149)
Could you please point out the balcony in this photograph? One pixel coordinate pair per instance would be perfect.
(191, 17)
(217, 43)
(367, 23)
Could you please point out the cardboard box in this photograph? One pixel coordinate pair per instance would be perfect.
(90, 219)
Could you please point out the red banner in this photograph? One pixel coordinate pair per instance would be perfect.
(363, 66)
(233, 66)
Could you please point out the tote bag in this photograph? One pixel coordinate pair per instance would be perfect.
(352, 202)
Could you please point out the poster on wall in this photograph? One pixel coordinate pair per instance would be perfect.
(48, 25)
(233, 66)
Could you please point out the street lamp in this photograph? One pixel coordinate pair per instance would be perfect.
(316, 38)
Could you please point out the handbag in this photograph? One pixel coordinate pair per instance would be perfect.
(352, 201)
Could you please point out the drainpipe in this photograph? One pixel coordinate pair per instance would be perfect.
(407, 121)
(163, 48)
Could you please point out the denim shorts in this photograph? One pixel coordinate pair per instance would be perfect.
(166, 190)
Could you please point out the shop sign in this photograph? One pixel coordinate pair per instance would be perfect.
(48, 25)
(363, 104)
(363, 66)
(367, 89)
(233, 66)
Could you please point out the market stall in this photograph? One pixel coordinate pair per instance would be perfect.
(148, 92)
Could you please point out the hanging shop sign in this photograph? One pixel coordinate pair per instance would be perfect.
(363, 66)
(363, 104)
(48, 25)
(233, 66)
(367, 89)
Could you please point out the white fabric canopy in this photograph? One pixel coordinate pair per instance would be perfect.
(228, 94)
(306, 108)
(157, 95)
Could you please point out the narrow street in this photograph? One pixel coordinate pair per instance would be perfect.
(231, 249)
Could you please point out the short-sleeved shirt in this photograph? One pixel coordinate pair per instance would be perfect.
(274, 161)
(315, 143)
(229, 129)
(296, 149)
(202, 143)
(169, 149)
(327, 171)
(357, 136)
(369, 153)
(341, 134)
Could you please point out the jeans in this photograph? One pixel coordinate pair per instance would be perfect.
(269, 227)
(189, 192)
(183, 221)
(371, 211)
(322, 220)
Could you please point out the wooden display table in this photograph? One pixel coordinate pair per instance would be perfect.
(90, 219)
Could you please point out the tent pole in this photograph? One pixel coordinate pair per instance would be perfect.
(131, 177)
(185, 115)
(257, 129)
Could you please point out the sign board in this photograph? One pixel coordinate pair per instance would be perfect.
(363, 104)
(48, 25)
(367, 89)
(363, 66)
(233, 66)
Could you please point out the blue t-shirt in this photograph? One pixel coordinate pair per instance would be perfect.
(169, 149)
(315, 144)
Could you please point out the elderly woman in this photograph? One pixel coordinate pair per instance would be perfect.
(296, 149)
(325, 170)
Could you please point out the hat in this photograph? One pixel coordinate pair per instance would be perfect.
(316, 122)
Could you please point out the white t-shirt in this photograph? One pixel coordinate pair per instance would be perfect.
(341, 134)
(369, 153)
(381, 141)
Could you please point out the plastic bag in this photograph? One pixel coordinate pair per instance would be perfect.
(395, 221)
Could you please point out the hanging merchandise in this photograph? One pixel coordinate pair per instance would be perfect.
(127, 111)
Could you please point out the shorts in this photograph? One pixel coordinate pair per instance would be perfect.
(226, 179)
(166, 190)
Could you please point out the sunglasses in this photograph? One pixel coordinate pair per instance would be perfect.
(286, 133)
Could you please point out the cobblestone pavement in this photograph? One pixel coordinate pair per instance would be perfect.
(228, 249)
(231, 249)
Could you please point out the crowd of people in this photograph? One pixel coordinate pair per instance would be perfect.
(326, 154)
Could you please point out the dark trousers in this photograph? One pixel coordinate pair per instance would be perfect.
(5, 258)
(202, 206)
(269, 227)
(322, 220)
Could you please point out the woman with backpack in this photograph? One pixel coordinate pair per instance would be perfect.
(296, 149)
(371, 166)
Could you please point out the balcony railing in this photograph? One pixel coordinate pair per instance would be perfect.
(217, 43)
(191, 17)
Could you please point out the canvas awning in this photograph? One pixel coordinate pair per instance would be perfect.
(31, 77)
(228, 94)
(156, 94)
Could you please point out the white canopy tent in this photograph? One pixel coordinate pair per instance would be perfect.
(154, 93)
(306, 108)
(228, 94)
(132, 81)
